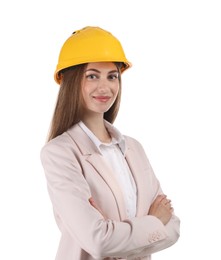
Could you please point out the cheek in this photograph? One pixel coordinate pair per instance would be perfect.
(84, 96)
(88, 88)
(116, 89)
(85, 91)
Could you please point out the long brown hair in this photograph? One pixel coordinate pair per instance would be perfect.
(68, 108)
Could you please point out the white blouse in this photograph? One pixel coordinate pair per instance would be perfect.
(114, 153)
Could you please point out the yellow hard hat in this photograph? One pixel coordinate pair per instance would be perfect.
(90, 44)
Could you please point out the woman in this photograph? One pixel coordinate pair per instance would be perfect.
(107, 202)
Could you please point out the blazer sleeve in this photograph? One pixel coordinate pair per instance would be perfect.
(69, 193)
(172, 227)
(173, 233)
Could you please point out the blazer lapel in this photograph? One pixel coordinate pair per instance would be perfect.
(94, 157)
(105, 172)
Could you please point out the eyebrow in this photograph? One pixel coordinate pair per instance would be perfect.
(95, 70)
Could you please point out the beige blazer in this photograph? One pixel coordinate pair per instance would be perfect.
(75, 171)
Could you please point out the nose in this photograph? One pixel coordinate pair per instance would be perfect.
(103, 85)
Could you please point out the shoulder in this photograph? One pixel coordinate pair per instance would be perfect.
(135, 146)
(72, 142)
(63, 144)
(57, 146)
(66, 139)
(132, 142)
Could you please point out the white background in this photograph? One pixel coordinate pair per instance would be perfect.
(171, 104)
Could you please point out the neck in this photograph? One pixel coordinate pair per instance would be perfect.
(96, 125)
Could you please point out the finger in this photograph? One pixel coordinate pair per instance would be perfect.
(92, 202)
(161, 197)
(167, 202)
(171, 209)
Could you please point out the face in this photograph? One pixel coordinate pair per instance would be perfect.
(100, 87)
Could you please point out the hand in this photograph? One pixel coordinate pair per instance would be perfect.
(161, 208)
(92, 202)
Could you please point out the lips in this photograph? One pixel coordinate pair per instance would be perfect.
(102, 98)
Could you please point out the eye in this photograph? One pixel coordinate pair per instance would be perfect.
(91, 76)
(113, 76)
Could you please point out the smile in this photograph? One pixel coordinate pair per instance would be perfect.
(102, 98)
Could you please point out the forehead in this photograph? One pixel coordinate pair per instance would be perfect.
(101, 66)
